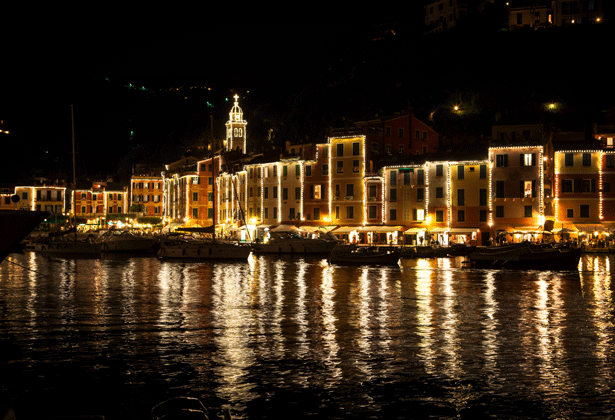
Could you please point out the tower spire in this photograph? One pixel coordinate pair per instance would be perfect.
(236, 129)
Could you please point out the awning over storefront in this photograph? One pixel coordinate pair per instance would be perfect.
(346, 229)
(236, 229)
(312, 229)
(590, 227)
(528, 229)
(380, 228)
(286, 228)
(439, 230)
(462, 231)
(564, 228)
(414, 231)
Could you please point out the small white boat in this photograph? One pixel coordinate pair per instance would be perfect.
(355, 255)
(203, 250)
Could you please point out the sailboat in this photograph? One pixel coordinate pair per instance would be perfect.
(200, 249)
(71, 245)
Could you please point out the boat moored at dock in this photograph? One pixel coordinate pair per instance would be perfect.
(355, 255)
(203, 250)
(295, 244)
(526, 256)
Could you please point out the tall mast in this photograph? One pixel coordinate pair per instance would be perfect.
(213, 189)
(72, 122)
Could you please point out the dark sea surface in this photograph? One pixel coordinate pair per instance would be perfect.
(295, 337)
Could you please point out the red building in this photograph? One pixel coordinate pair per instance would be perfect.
(400, 135)
(408, 135)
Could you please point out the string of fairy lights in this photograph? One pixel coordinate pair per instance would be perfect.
(341, 154)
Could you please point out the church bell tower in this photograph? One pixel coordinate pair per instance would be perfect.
(236, 129)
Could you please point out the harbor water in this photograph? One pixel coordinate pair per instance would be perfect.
(297, 337)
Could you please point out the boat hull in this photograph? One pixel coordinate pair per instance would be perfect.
(71, 249)
(361, 256)
(129, 245)
(527, 258)
(295, 246)
(15, 225)
(204, 251)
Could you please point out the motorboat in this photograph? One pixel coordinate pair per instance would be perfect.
(116, 241)
(364, 255)
(195, 249)
(425, 251)
(293, 243)
(15, 225)
(526, 256)
(72, 246)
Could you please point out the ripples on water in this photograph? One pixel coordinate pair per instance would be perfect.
(297, 337)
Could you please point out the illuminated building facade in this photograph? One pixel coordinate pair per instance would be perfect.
(270, 192)
(315, 187)
(404, 201)
(146, 192)
(347, 169)
(607, 186)
(99, 203)
(253, 202)
(342, 185)
(579, 175)
(291, 191)
(438, 202)
(40, 197)
(236, 129)
(517, 188)
(468, 195)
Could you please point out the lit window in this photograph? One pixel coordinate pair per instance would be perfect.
(420, 215)
(527, 189)
(527, 159)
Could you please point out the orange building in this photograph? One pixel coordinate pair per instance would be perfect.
(146, 192)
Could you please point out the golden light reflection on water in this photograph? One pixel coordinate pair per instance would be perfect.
(232, 322)
(329, 329)
(365, 335)
(450, 324)
(250, 330)
(490, 328)
(425, 314)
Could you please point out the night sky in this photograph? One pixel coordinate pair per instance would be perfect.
(52, 59)
(307, 69)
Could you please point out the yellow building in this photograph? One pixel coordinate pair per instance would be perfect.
(517, 189)
(468, 195)
(346, 181)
